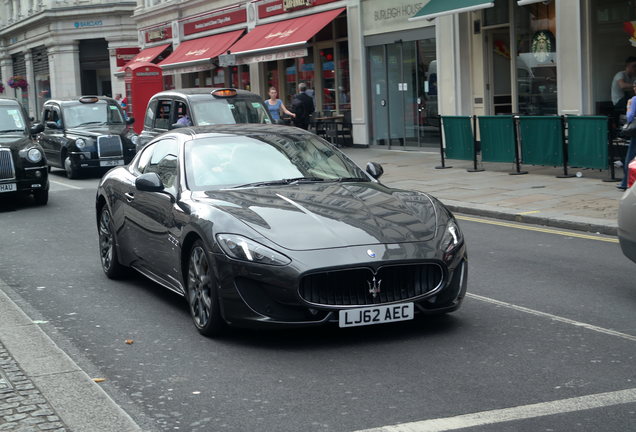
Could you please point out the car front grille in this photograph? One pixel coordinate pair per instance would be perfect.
(361, 287)
(109, 146)
(7, 170)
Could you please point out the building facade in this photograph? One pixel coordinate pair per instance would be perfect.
(58, 48)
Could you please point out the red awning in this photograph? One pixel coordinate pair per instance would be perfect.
(202, 49)
(283, 34)
(147, 55)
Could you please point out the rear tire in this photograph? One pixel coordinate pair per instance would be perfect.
(201, 292)
(107, 246)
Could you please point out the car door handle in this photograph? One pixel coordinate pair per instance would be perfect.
(129, 196)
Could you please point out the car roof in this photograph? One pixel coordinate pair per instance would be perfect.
(66, 100)
(241, 129)
(8, 101)
(202, 91)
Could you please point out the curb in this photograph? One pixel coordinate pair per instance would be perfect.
(80, 403)
(586, 225)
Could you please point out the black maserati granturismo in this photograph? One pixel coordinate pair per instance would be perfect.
(267, 225)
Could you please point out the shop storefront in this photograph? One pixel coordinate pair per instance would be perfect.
(402, 75)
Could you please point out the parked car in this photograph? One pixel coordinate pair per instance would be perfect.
(269, 225)
(172, 109)
(627, 215)
(86, 132)
(23, 168)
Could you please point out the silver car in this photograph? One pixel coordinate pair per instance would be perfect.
(627, 217)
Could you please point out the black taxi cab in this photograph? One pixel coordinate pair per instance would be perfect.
(172, 109)
(23, 168)
(86, 132)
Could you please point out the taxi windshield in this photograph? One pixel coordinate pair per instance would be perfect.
(228, 111)
(98, 113)
(11, 119)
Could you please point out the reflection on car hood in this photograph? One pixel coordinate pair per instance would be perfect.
(327, 215)
(13, 141)
(94, 131)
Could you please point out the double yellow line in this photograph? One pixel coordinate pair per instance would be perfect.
(538, 229)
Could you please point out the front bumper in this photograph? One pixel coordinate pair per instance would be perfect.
(30, 180)
(89, 160)
(267, 296)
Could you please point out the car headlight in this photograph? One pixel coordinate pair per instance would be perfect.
(134, 139)
(242, 248)
(452, 237)
(34, 155)
(80, 143)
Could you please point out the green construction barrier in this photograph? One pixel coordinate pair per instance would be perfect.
(497, 136)
(458, 137)
(541, 140)
(587, 141)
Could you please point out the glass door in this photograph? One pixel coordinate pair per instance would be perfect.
(379, 96)
(499, 81)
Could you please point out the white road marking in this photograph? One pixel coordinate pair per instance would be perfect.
(554, 317)
(65, 184)
(542, 409)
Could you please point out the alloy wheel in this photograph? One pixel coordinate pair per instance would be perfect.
(199, 289)
(105, 240)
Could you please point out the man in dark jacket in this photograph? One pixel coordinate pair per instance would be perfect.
(303, 107)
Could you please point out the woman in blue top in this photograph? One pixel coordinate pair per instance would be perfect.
(275, 105)
(631, 150)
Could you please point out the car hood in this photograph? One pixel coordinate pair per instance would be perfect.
(318, 216)
(95, 131)
(14, 142)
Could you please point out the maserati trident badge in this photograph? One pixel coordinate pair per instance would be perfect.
(374, 287)
(370, 253)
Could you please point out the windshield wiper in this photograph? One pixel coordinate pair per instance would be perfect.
(91, 122)
(351, 179)
(282, 182)
(11, 130)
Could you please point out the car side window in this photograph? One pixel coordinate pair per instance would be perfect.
(150, 114)
(164, 115)
(144, 158)
(163, 161)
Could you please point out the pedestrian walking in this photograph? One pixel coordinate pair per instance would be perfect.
(303, 107)
(631, 149)
(275, 105)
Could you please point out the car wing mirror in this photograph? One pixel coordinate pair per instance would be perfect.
(177, 126)
(130, 120)
(375, 170)
(149, 182)
(51, 125)
(36, 128)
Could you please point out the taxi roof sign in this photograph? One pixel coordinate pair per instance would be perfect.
(89, 99)
(224, 92)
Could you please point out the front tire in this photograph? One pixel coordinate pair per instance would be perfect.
(107, 248)
(202, 294)
(72, 172)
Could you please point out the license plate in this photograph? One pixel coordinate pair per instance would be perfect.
(107, 163)
(8, 187)
(376, 315)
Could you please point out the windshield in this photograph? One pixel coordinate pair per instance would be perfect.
(228, 111)
(219, 162)
(11, 119)
(97, 113)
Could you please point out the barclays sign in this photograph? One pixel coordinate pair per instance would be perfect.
(84, 24)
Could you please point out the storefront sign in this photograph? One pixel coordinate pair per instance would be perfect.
(90, 23)
(280, 55)
(268, 8)
(124, 55)
(158, 34)
(216, 21)
(380, 17)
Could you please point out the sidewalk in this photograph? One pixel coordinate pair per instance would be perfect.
(42, 389)
(583, 203)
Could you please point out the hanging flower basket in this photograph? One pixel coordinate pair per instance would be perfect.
(1, 88)
(17, 82)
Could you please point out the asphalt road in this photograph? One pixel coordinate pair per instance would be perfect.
(546, 339)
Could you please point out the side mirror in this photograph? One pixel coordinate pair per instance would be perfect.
(51, 125)
(375, 170)
(130, 120)
(36, 128)
(177, 126)
(149, 182)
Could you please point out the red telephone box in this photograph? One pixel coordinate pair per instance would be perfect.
(143, 80)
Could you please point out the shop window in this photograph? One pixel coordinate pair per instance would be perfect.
(326, 34)
(344, 85)
(497, 15)
(328, 79)
(218, 77)
(536, 59)
(340, 25)
(272, 75)
(290, 80)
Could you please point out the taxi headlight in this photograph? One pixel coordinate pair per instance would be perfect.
(34, 155)
(244, 249)
(80, 143)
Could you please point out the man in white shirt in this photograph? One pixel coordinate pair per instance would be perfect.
(622, 85)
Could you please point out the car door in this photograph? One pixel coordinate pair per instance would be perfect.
(151, 227)
(52, 139)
